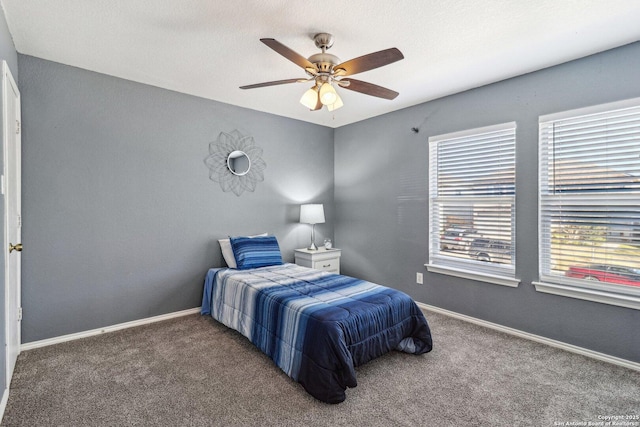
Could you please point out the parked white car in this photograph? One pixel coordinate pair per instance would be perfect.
(456, 239)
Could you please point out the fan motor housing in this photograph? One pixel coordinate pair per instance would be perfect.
(324, 61)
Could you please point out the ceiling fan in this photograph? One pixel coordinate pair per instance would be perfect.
(325, 69)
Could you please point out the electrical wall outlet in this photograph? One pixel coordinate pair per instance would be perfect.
(419, 278)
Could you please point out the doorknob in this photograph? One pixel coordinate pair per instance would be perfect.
(16, 247)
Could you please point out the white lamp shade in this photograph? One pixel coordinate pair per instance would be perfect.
(310, 98)
(336, 104)
(328, 94)
(312, 214)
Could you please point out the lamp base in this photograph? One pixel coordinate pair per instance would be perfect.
(312, 246)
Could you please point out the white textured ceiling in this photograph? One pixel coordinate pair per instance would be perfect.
(209, 48)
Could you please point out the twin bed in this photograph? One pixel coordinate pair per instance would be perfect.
(316, 326)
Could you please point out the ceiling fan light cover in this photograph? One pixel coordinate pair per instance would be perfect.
(309, 99)
(336, 104)
(328, 94)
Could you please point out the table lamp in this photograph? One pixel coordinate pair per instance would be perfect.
(312, 214)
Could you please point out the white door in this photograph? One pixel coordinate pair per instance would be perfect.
(11, 124)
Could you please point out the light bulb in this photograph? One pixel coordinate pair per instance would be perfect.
(310, 98)
(328, 94)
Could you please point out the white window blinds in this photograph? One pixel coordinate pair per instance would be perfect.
(471, 200)
(589, 211)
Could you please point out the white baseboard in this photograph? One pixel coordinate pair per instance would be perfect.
(120, 326)
(537, 338)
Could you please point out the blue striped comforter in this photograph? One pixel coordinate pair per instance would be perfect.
(316, 326)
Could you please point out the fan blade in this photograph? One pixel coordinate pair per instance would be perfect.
(369, 89)
(292, 56)
(273, 83)
(370, 61)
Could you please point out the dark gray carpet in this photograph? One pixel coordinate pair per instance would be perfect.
(193, 371)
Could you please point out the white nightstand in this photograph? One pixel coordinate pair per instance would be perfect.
(322, 259)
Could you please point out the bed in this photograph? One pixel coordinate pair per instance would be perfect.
(316, 326)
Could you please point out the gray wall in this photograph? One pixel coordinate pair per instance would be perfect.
(9, 54)
(120, 217)
(381, 196)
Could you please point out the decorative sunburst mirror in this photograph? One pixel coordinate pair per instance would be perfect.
(235, 162)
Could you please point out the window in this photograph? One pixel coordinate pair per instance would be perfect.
(589, 210)
(472, 204)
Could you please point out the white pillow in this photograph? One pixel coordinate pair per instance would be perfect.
(227, 251)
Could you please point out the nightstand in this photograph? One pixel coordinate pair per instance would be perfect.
(322, 259)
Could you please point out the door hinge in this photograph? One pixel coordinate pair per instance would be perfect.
(17, 127)
(19, 314)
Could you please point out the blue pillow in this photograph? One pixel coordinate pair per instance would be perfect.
(254, 252)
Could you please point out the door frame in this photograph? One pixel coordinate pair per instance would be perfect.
(7, 80)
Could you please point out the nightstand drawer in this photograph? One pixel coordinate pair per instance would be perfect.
(321, 259)
(331, 265)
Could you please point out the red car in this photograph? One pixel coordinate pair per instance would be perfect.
(606, 273)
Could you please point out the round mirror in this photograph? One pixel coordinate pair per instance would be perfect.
(238, 163)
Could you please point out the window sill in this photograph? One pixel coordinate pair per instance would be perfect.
(621, 300)
(473, 275)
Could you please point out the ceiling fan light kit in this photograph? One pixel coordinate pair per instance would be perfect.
(324, 69)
